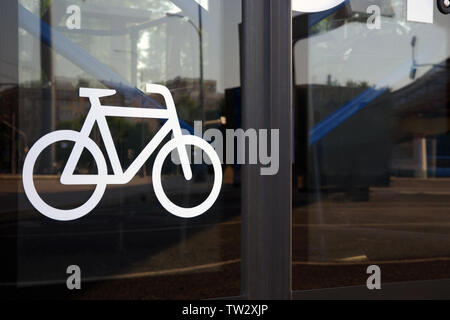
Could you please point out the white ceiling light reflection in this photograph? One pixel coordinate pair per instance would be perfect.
(420, 10)
(173, 9)
(203, 3)
(314, 6)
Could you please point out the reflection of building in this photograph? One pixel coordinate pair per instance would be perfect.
(190, 87)
(355, 153)
(422, 113)
(423, 106)
(69, 106)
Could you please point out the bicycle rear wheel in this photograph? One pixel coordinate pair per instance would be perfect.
(30, 188)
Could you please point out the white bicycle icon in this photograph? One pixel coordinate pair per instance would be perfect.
(98, 113)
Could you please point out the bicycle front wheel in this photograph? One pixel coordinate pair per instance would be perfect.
(30, 188)
(156, 177)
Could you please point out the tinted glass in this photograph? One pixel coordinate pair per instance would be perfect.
(126, 237)
(372, 141)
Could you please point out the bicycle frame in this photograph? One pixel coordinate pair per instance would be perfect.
(98, 113)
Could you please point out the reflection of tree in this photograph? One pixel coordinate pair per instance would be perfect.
(348, 84)
(152, 59)
(44, 6)
(354, 84)
(187, 108)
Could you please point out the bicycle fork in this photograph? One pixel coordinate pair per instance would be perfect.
(181, 147)
(175, 125)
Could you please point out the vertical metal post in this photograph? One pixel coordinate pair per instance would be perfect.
(48, 85)
(267, 99)
(9, 79)
(134, 37)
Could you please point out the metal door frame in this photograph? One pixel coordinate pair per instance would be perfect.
(266, 104)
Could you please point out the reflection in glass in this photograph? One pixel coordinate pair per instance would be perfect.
(129, 240)
(371, 147)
